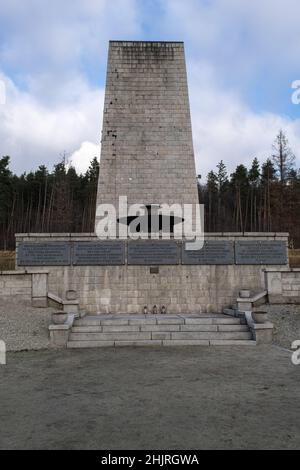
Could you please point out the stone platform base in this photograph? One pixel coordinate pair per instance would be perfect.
(159, 330)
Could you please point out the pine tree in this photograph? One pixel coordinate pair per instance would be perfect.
(5, 198)
(283, 158)
(222, 182)
(240, 183)
(212, 188)
(254, 178)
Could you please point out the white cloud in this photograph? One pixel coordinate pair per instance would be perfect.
(47, 45)
(82, 157)
(225, 128)
(34, 134)
(237, 32)
(59, 33)
(53, 48)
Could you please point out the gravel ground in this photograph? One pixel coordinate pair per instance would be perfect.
(23, 327)
(286, 320)
(151, 398)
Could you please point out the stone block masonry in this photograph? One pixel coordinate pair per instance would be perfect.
(15, 285)
(147, 151)
(127, 289)
(283, 285)
(24, 286)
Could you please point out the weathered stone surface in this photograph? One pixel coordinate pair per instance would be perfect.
(161, 327)
(261, 252)
(186, 342)
(44, 254)
(157, 334)
(263, 333)
(213, 252)
(198, 327)
(139, 343)
(99, 253)
(147, 151)
(211, 335)
(39, 302)
(181, 288)
(231, 342)
(89, 344)
(124, 329)
(116, 336)
(39, 285)
(153, 252)
(71, 295)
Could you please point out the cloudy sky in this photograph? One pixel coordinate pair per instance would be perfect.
(242, 57)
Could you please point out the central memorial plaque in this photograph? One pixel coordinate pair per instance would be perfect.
(213, 252)
(44, 254)
(260, 252)
(153, 252)
(101, 253)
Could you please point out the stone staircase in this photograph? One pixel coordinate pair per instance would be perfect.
(159, 330)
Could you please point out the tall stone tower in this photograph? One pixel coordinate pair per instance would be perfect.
(147, 149)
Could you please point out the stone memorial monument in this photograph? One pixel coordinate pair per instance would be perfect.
(147, 157)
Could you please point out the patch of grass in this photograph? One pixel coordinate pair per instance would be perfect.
(294, 256)
(7, 260)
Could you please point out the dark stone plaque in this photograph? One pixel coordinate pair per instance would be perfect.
(213, 252)
(44, 254)
(144, 252)
(260, 252)
(101, 253)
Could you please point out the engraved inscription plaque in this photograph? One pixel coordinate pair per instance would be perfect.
(144, 252)
(260, 252)
(44, 254)
(213, 252)
(101, 253)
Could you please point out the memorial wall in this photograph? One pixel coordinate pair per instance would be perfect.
(118, 277)
(149, 253)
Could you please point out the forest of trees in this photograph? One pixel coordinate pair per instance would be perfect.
(43, 201)
(262, 198)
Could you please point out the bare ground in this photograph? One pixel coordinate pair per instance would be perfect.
(143, 398)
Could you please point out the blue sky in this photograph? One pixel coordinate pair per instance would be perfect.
(242, 58)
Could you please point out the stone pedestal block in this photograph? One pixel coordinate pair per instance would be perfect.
(39, 290)
(59, 334)
(263, 333)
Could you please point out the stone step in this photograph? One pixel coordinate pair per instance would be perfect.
(232, 342)
(90, 344)
(106, 329)
(233, 327)
(97, 344)
(212, 321)
(183, 335)
(132, 320)
(130, 336)
(219, 327)
(172, 335)
(157, 328)
(224, 342)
